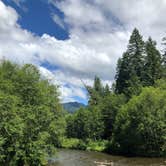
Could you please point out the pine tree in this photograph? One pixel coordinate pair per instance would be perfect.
(95, 92)
(130, 66)
(153, 64)
(107, 90)
(164, 51)
(122, 74)
(98, 85)
(164, 57)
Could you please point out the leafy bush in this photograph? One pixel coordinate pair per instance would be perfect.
(31, 120)
(140, 127)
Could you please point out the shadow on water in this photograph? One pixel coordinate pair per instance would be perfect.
(68, 157)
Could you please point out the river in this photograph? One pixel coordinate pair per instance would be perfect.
(66, 157)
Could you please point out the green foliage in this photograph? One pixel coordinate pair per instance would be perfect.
(141, 65)
(164, 57)
(129, 69)
(88, 144)
(140, 127)
(98, 146)
(85, 124)
(97, 92)
(164, 50)
(70, 143)
(109, 109)
(72, 107)
(131, 117)
(74, 143)
(153, 64)
(11, 129)
(161, 84)
(32, 122)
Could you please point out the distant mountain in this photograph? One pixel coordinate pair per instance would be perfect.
(72, 106)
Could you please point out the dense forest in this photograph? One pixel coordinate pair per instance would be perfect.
(128, 118)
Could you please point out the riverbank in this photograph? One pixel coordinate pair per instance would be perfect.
(68, 157)
(88, 145)
(96, 146)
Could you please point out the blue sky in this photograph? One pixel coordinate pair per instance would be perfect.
(35, 16)
(74, 40)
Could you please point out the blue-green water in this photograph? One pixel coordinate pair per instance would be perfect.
(66, 157)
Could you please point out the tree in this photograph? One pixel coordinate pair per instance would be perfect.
(11, 129)
(85, 124)
(8, 72)
(164, 51)
(107, 90)
(130, 66)
(153, 64)
(32, 122)
(164, 57)
(111, 105)
(26, 84)
(95, 92)
(140, 127)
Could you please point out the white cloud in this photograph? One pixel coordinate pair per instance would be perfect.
(70, 86)
(147, 15)
(99, 32)
(58, 21)
(80, 13)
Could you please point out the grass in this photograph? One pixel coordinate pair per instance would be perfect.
(89, 145)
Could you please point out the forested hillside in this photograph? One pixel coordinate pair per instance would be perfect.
(71, 107)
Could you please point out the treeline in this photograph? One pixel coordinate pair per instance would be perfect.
(31, 117)
(131, 115)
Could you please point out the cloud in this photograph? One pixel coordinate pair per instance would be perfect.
(147, 15)
(70, 86)
(58, 21)
(116, 15)
(99, 33)
(20, 4)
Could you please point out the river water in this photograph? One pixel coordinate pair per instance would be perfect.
(66, 157)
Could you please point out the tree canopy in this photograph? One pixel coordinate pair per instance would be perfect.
(31, 116)
(132, 114)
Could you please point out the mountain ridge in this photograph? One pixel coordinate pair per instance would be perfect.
(71, 107)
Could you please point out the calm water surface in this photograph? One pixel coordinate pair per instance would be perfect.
(67, 157)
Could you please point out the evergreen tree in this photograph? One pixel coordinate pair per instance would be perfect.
(95, 92)
(153, 64)
(98, 85)
(130, 66)
(164, 51)
(164, 57)
(107, 90)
